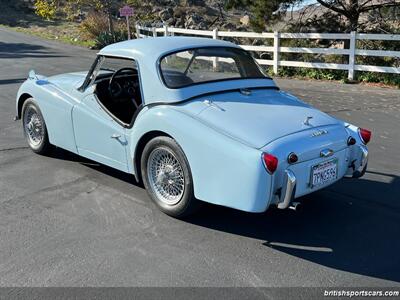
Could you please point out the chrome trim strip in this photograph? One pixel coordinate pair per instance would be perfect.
(288, 188)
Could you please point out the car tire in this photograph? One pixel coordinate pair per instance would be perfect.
(34, 126)
(167, 177)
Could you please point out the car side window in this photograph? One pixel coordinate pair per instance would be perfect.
(117, 88)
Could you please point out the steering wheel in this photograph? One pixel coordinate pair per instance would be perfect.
(114, 88)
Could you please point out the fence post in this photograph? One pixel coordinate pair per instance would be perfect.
(352, 54)
(165, 30)
(215, 60)
(276, 51)
(137, 31)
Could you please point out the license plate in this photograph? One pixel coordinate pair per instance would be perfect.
(324, 172)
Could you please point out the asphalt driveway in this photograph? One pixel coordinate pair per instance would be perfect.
(66, 221)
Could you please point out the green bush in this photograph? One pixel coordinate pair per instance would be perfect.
(106, 38)
(340, 75)
(388, 79)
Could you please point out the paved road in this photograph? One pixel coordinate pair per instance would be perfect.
(67, 221)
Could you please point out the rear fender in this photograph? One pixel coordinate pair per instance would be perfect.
(224, 171)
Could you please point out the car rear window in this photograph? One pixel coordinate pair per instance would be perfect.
(210, 64)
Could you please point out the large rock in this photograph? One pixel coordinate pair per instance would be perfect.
(193, 21)
(166, 14)
(245, 20)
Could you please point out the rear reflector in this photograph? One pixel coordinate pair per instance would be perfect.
(270, 162)
(292, 158)
(351, 141)
(365, 135)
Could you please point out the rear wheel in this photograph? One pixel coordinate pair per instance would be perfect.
(167, 177)
(34, 127)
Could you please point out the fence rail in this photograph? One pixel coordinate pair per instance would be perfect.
(276, 49)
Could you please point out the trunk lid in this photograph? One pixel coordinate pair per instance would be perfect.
(259, 118)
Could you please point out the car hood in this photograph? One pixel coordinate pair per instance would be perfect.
(259, 118)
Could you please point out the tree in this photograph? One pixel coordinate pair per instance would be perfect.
(351, 10)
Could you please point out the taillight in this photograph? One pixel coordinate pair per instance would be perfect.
(270, 162)
(365, 135)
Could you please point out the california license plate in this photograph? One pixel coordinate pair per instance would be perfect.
(324, 172)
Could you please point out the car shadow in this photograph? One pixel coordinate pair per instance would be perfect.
(336, 228)
(61, 154)
(352, 226)
(23, 50)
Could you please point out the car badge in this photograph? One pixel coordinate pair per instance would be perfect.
(326, 152)
(319, 133)
(307, 121)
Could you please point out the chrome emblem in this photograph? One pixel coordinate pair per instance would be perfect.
(319, 133)
(326, 153)
(307, 121)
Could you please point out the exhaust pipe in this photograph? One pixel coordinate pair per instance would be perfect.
(296, 206)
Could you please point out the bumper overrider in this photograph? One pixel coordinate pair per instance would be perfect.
(357, 169)
(357, 172)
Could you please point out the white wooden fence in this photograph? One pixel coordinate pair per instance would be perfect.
(276, 49)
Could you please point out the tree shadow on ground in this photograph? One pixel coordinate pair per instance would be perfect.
(336, 228)
(23, 50)
(11, 81)
(19, 15)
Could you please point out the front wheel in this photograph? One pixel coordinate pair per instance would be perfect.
(34, 127)
(167, 177)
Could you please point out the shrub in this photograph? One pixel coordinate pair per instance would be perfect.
(95, 27)
(106, 38)
(46, 9)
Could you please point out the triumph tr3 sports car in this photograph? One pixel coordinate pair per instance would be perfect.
(194, 119)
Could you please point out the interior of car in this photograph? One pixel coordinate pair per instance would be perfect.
(118, 91)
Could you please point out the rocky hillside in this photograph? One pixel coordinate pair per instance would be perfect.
(196, 14)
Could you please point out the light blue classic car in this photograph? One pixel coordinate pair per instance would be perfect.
(194, 119)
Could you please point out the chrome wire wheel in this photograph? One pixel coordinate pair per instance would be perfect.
(33, 125)
(165, 176)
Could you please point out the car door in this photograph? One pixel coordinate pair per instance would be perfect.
(97, 135)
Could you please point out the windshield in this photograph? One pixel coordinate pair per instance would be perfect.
(210, 64)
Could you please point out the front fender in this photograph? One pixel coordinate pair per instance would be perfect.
(224, 171)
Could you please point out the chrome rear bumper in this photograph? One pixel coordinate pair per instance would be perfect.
(288, 189)
(289, 181)
(359, 171)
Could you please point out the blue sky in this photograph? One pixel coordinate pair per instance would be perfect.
(306, 2)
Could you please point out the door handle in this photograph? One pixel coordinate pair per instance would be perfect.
(115, 136)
